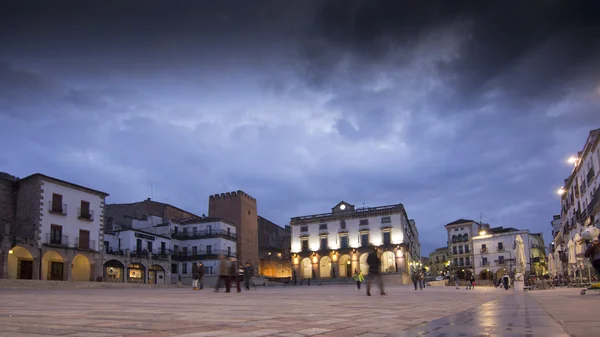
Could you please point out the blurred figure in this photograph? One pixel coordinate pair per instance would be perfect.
(415, 279)
(235, 273)
(248, 273)
(374, 271)
(195, 276)
(358, 277)
(201, 275)
(421, 280)
(224, 274)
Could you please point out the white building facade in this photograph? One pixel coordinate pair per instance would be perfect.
(580, 207)
(158, 250)
(335, 244)
(494, 251)
(460, 247)
(58, 232)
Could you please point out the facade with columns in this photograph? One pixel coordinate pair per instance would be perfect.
(55, 232)
(337, 243)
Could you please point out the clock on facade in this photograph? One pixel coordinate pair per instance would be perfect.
(342, 207)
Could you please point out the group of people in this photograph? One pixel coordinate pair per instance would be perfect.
(418, 279)
(469, 282)
(229, 271)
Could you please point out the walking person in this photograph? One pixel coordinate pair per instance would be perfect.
(200, 275)
(374, 271)
(505, 281)
(358, 277)
(415, 279)
(195, 276)
(224, 275)
(467, 282)
(421, 280)
(248, 273)
(472, 282)
(235, 273)
(457, 286)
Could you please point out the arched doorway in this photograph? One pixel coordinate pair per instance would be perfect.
(114, 271)
(53, 266)
(325, 267)
(388, 262)
(20, 263)
(345, 266)
(500, 272)
(156, 274)
(81, 268)
(136, 273)
(364, 267)
(306, 268)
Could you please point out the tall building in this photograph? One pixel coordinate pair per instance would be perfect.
(580, 203)
(274, 250)
(336, 243)
(56, 232)
(439, 261)
(495, 253)
(556, 224)
(240, 209)
(460, 236)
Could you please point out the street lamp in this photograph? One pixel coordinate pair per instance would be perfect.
(572, 160)
(482, 233)
(561, 191)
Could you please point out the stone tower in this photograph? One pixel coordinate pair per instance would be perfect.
(240, 209)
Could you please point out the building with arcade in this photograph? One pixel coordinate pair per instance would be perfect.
(335, 244)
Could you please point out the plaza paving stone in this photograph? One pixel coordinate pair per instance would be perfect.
(277, 311)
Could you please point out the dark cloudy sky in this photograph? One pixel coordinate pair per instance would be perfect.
(452, 108)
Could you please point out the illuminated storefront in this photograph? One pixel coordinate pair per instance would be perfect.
(113, 271)
(136, 273)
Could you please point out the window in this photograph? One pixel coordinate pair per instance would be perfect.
(500, 259)
(57, 206)
(209, 229)
(304, 228)
(184, 268)
(305, 245)
(184, 230)
(208, 249)
(184, 251)
(455, 262)
(500, 246)
(364, 240)
(344, 241)
(176, 249)
(138, 245)
(84, 210)
(194, 250)
(465, 237)
(150, 246)
(467, 261)
(343, 224)
(228, 251)
(484, 261)
(456, 229)
(195, 231)
(454, 250)
(210, 270)
(176, 229)
(323, 226)
(483, 248)
(163, 248)
(437, 259)
(443, 258)
(467, 249)
(55, 235)
(460, 249)
(454, 239)
(386, 219)
(228, 231)
(364, 222)
(387, 238)
(461, 262)
(173, 268)
(323, 243)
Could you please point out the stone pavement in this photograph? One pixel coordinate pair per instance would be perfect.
(578, 314)
(278, 311)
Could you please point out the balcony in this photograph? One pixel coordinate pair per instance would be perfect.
(215, 233)
(85, 214)
(483, 250)
(83, 243)
(500, 249)
(57, 240)
(207, 255)
(485, 263)
(57, 208)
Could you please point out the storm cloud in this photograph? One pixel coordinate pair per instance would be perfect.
(455, 109)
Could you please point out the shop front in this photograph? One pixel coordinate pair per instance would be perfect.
(136, 273)
(113, 271)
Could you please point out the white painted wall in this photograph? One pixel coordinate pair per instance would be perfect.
(129, 240)
(507, 239)
(70, 222)
(352, 226)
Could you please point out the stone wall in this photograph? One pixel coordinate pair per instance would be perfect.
(30, 205)
(8, 196)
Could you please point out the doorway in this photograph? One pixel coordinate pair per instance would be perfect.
(56, 271)
(26, 270)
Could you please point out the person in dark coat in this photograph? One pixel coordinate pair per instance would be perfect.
(374, 271)
(200, 275)
(235, 274)
(248, 273)
(195, 276)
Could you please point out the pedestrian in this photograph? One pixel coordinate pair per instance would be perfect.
(235, 273)
(467, 282)
(593, 253)
(224, 275)
(505, 281)
(358, 277)
(195, 276)
(456, 284)
(421, 280)
(248, 273)
(374, 271)
(415, 279)
(472, 282)
(200, 275)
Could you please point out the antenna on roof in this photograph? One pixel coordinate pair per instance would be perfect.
(363, 205)
(151, 192)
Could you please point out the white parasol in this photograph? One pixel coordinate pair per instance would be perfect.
(521, 260)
